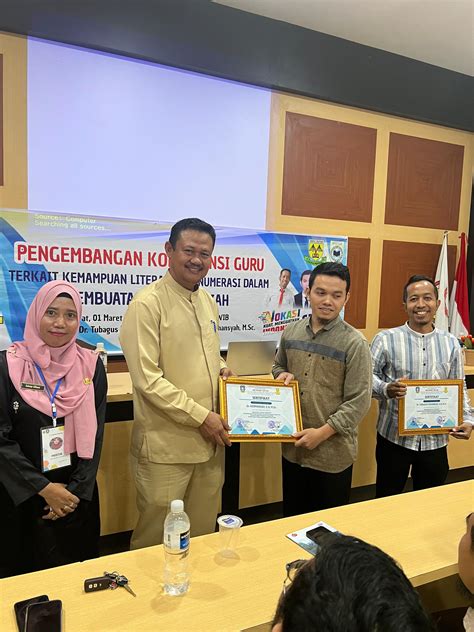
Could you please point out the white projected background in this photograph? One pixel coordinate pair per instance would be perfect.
(124, 138)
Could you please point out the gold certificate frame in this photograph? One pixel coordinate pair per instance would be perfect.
(260, 410)
(430, 407)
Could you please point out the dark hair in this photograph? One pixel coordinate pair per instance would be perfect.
(351, 586)
(64, 295)
(191, 223)
(415, 279)
(332, 269)
(285, 270)
(304, 273)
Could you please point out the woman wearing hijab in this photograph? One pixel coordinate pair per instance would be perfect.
(52, 410)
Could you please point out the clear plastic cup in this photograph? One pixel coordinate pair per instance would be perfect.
(229, 530)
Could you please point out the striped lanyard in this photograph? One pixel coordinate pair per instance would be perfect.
(52, 396)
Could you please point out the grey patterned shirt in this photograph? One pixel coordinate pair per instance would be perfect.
(401, 352)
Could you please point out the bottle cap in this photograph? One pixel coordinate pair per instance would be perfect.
(229, 522)
(100, 346)
(177, 506)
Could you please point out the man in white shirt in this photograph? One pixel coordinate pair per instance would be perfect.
(282, 298)
(414, 351)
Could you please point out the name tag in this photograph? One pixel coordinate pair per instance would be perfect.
(52, 449)
(32, 387)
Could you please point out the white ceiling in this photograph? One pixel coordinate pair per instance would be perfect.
(440, 32)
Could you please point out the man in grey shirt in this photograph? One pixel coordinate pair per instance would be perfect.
(331, 361)
(414, 351)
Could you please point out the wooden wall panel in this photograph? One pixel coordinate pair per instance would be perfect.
(1, 121)
(328, 169)
(400, 260)
(358, 256)
(424, 182)
(116, 364)
(118, 511)
(13, 122)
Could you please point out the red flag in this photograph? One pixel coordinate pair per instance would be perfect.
(459, 313)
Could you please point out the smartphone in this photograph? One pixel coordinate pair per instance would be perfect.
(20, 609)
(318, 534)
(45, 616)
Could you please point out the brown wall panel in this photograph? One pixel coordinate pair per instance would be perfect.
(117, 365)
(424, 182)
(400, 260)
(358, 255)
(13, 122)
(1, 121)
(328, 169)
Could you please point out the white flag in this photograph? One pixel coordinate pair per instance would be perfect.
(441, 282)
(459, 304)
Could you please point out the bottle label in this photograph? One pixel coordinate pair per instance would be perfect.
(178, 541)
(184, 540)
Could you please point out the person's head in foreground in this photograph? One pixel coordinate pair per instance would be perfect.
(466, 556)
(350, 586)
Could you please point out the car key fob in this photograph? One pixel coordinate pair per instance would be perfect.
(97, 583)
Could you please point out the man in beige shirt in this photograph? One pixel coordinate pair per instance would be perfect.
(170, 340)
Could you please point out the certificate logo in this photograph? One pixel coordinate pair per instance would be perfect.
(242, 388)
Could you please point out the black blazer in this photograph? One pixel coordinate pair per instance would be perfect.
(299, 300)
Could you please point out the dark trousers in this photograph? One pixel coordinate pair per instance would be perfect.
(306, 490)
(29, 543)
(429, 468)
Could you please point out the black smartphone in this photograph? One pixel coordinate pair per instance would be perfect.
(20, 609)
(318, 534)
(45, 616)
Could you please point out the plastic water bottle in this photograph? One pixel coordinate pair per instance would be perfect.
(176, 548)
(100, 349)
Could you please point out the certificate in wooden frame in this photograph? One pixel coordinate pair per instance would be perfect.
(259, 409)
(447, 417)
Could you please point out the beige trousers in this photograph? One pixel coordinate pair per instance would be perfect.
(199, 485)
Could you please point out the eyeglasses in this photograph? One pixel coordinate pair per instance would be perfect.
(292, 569)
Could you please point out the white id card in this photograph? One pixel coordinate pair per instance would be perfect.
(52, 448)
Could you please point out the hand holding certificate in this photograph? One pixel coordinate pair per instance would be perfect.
(430, 407)
(260, 409)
